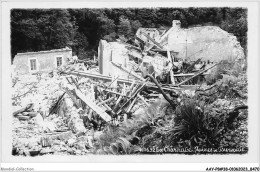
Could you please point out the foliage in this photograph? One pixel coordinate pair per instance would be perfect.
(124, 139)
(35, 30)
(229, 87)
(197, 125)
(45, 29)
(197, 121)
(225, 67)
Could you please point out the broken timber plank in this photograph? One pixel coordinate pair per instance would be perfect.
(73, 97)
(106, 106)
(120, 80)
(131, 88)
(161, 39)
(132, 97)
(142, 99)
(120, 97)
(129, 72)
(171, 72)
(113, 92)
(93, 106)
(196, 75)
(56, 105)
(25, 109)
(151, 39)
(187, 74)
(105, 101)
(131, 105)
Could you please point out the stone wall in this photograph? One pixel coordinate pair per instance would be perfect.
(112, 52)
(45, 60)
(206, 42)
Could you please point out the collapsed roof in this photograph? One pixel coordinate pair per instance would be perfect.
(206, 42)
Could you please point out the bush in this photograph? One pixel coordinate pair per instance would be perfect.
(225, 67)
(197, 125)
(125, 139)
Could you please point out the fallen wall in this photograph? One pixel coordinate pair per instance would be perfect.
(206, 42)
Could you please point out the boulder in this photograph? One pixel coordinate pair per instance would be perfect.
(65, 136)
(46, 151)
(33, 143)
(38, 119)
(76, 125)
(78, 152)
(71, 141)
(49, 126)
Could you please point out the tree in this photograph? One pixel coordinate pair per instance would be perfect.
(124, 27)
(36, 30)
(45, 29)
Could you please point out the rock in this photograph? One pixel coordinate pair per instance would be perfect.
(38, 119)
(69, 103)
(82, 139)
(71, 141)
(57, 148)
(97, 134)
(65, 136)
(76, 125)
(16, 123)
(20, 142)
(20, 152)
(80, 145)
(70, 151)
(49, 126)
(23, 118)
(90, 141)
(62, 144)
(58, 121)
(33, 142)
(78, 152)
(26, 152)
(56, 142)
(34, 152)
(46, 151)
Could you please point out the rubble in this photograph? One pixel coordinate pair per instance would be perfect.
(66, 112)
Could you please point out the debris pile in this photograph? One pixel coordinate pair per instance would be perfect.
(67, 111)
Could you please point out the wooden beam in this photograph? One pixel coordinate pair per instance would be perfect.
(143, 100)
(120, 80)
(196, 75)
(113, 92)
(131, 105)
(151, 39)
(187, 74)
(127, 71)
(106, 106)
(171, 72)
(93, 106)
(105, 101)
(161, 39)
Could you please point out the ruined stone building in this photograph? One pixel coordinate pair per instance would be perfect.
(206, 42)
(41, 61)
